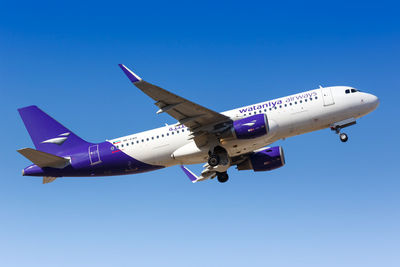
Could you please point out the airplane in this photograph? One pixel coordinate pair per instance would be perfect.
(240, 137)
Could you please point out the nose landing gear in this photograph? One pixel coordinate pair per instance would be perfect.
(340, 125)
(342, 136)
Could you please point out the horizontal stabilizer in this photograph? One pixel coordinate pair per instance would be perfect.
(43, 159)
(48, 179)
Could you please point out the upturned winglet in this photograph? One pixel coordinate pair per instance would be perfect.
(193, 177)
(132, 76)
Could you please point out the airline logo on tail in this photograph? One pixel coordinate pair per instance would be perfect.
(58, 140)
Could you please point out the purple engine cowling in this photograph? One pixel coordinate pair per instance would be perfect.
(250, 127)
(264, 160)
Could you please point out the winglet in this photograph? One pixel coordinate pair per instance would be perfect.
(193, 177)
(132, 76)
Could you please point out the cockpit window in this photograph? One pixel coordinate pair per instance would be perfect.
(347, 91)
(353, 90)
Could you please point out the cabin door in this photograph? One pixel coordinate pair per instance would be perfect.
(327, 96)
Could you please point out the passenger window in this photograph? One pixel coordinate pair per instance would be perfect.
(162, 135)
(301, 101)
(172, 133)
(167, 134)
(147, 139)
(305, 100)
(316, 97)
(158, 136)
(295, 102)
(142, 140)
(290, 103)
(183, 130)
(122, 145)
(310, 99)
(137, 142)
(133, 143)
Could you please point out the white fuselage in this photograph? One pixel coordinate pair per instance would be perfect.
(287, 116)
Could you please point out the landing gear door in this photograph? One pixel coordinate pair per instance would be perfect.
(94, 155)
(327, 96)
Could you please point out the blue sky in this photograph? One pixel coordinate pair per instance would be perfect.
(333, 204)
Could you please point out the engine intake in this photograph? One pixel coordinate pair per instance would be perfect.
(251, 127)
(264, 160)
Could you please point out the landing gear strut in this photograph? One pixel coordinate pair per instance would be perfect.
(222, 177)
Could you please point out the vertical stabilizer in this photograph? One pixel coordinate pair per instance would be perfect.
(47, 134)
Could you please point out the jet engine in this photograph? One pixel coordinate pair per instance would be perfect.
(250, 127)
(264, 160)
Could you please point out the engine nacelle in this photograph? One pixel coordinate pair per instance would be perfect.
(264, 160)
(250, 127)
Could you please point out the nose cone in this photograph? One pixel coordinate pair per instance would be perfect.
(373, 101)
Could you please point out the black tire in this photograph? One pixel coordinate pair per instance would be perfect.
(222, 177)
(213, 160)
(343, 137)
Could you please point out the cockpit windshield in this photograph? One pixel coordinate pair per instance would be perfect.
(352, 90)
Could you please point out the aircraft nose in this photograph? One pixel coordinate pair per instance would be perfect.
(373, 100)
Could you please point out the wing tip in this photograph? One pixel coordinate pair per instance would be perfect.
(189, 174)
(130, 74)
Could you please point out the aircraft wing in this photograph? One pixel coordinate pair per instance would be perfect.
(197, 118)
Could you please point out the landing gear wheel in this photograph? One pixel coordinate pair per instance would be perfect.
(222, 177)
(213, 160)
(343, 137)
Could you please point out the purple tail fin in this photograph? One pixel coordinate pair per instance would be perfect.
(47, 134)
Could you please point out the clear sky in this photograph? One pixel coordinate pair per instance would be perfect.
(333, 204)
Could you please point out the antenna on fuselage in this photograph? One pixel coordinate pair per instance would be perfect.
(320, 87)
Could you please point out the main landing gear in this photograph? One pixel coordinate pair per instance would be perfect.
(219, 162)
(213, 160)
(222, 177)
